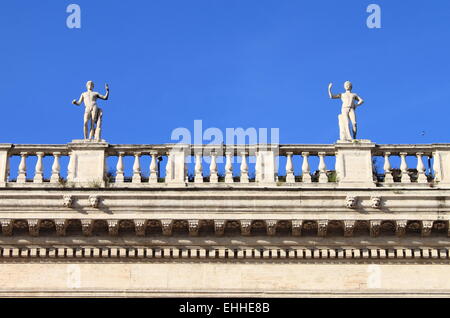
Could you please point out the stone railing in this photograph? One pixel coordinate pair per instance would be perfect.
(419, 172)
(360, 164)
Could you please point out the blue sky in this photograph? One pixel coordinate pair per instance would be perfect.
(230, 63)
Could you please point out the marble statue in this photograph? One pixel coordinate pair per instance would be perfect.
(92, 113)
(349, 103)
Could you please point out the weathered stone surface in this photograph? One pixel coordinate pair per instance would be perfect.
(214, 226)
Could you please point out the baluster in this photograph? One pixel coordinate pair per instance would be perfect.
(120, 177)
(244, 168)
(213, 178)
(198, 178)
(322, 168)
(259, 168)
(421, 177)
(137, 177)
(71, 168)
(153, 178)
(228, 168)
(169, 168)
(38, 171)
(306, 173)
(22, 177)
(388, 177)
(56, 168)
(290, 177)
(8, 168)
(404, 168)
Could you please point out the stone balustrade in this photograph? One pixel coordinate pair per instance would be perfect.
(344, 164)
(24, 174)
(424, 168)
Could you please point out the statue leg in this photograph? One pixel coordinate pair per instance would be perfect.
(86, 122)
(345, 124)
(93, 119)
(98, 128)
(352, 116)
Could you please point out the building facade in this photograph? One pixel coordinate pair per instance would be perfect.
(346, 219)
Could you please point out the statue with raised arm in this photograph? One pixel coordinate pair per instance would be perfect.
(92, 113)
(349, 103)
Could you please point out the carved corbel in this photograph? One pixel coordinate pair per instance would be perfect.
(271, 227)
(33, 227)
(167, 227)
(349, 226)
(322, 226)
(350, 202)
(67, 201)
(375, 227)
(7, 227)
(400, 227)
(194, 226)
(113, 227)
(94, 201)
(246, 226)
(376, 202)
(140, 226)
(219, 227)
(297, 227)
(60, 225)
(87, 227)
(426, 228)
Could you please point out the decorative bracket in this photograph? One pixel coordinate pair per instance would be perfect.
(167, 227)
(322, 226)
(400, 227)
(60, 225)
(7, 227)
(375, 228)
(113, 227)
(271, 226)
(219, 227)
(33, 227)
(140, 226)
(87, 227)
(349, 226)
(193, 227)
(246, 226)
(426, 228)
(297, 227)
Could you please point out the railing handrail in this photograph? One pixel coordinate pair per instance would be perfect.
(48, 149)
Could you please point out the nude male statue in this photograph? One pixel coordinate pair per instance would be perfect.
(349, 103)
(92, 112)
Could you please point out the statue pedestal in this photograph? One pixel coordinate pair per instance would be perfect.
(354, 166)
(87, 166)
(266, 168)
(4, 169)
(176, 171)
(441, 165)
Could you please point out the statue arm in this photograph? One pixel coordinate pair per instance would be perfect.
(106, 96)
(79, 101)
(360, 100)
(331, 94)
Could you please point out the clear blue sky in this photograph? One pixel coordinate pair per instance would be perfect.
(231, 63)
